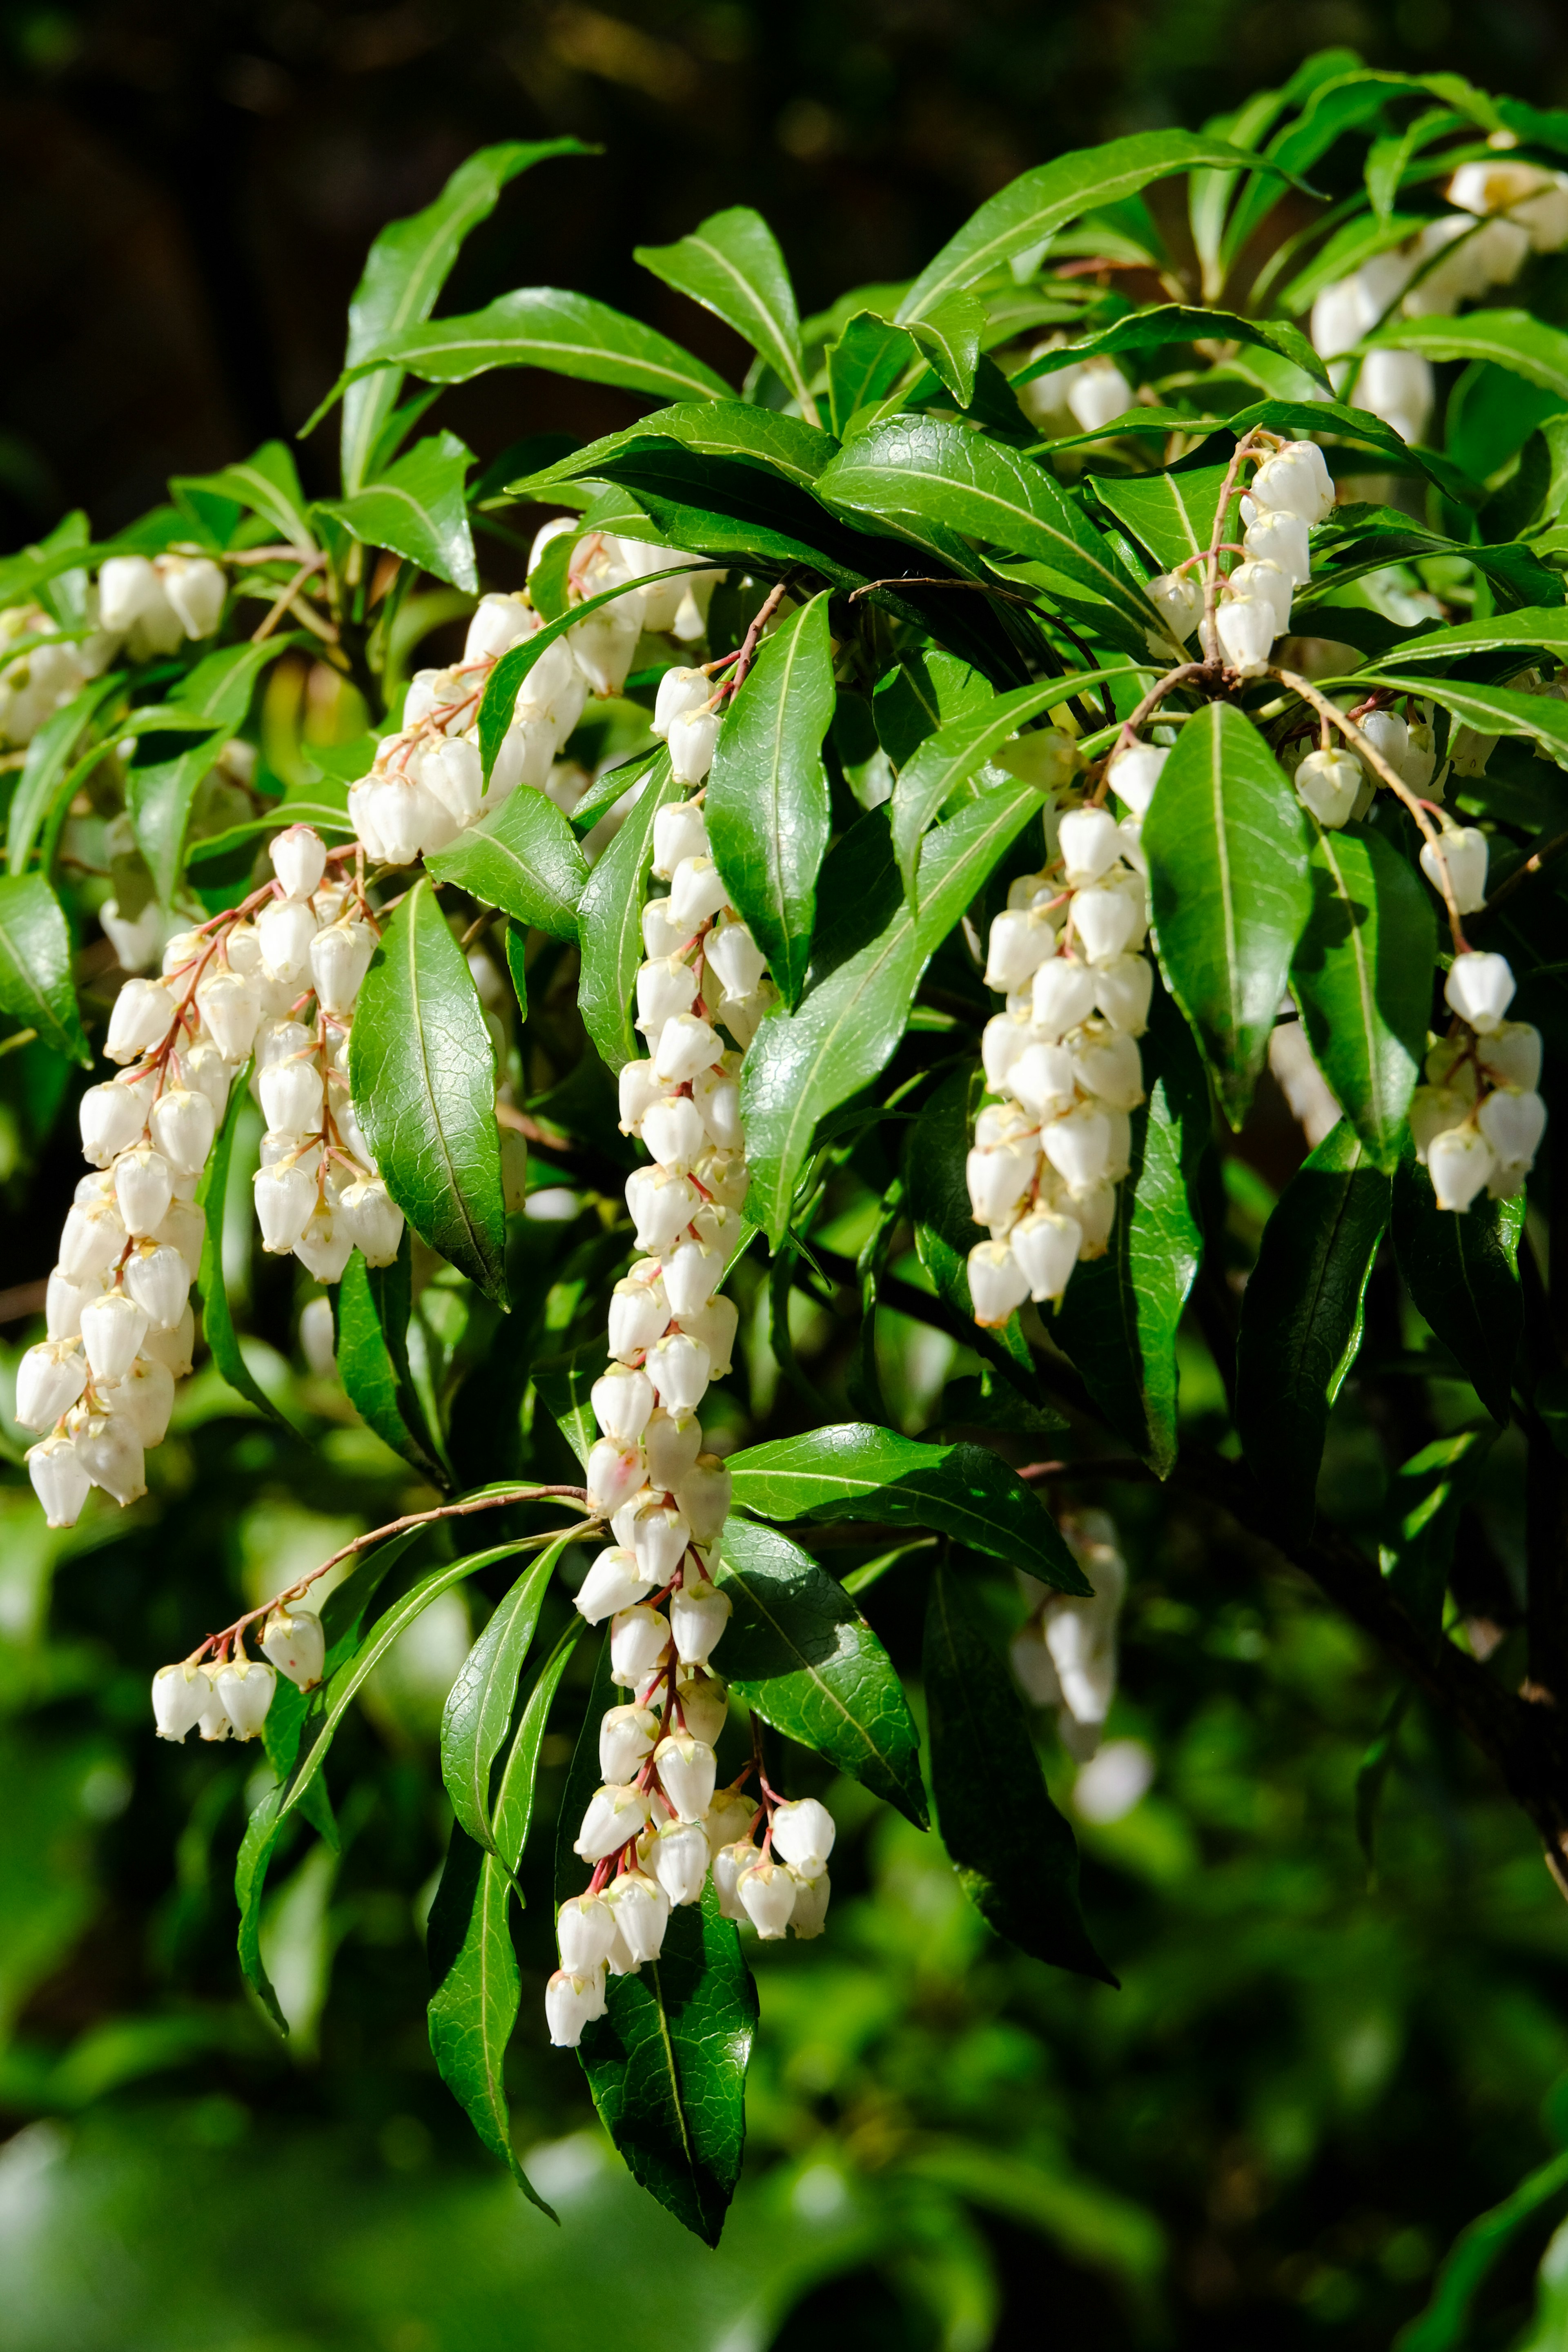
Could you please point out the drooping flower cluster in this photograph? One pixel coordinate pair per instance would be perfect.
(1292, 490)
(1064, 1058)
(1337, 783)
(1065, 1654)
(120, 1323)
(1504, 210)
(1479, 1119)
(142, 604)
(658, 1823)
(228, 1695)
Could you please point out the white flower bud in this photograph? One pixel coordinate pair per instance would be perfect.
(196, 588)
(1078, 1144)
(639, 1089)
(112, 1329)
(144, 1396)
(285, 1204)
(1042, 1080)
(615, 1581)
(997, 1284)
(615, 1474)
(728, 1862)
(339, 958)
(1046, 1247)
(1276, 537)
(703, 1497)
(641, 1909)
(158, 1279)
(1090, 844)
(678, 1856)
(296, 1645)
(662, 1205)
(140, 1020)
(325, 1246)
(110, 1453)
(112, 1117)
(1064, 992)
(1513, 1124)
(1459, 1162)
(686, 1769)
(803, 1832)
(678, 1367)
(686, 1046)
(1247, 631)
(766, 1892)
(1019, 943)
(695, 894)
(998, 1178)
(370, 1218)
(60, 1480)
(674, 1131)
(736, 958)
(1294, 480)
(664, 989)
(144, 1189)
(1329, 784)
(1479, 989)
(679, 831)
(571, 2002)
(622, 1402)
(704, 1705)
(659, 1538)
(628, 1735)
(182, 1125)
(1046, 757)
(1511, 1056)
(49, 1379)
(180, 1694)
(292, 1096)
(679, 690)
(1105, 923)
(1179, 599)
(809, 1916)
(1462, 851)
(614, 1815)
(1107, 1064)
(231, 1008)
(714, 1326)
(699, 1614)
(672, 1447)
(299, 859)
(639, 1645)
(639, 1312)
(692, 736)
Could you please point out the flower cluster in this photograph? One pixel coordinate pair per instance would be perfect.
(1479, 1119)
(120, 1324)
(226, 1695)
(142, 604)
(1336, 783)
(1065, 1653)
(658, 1824)
(1078, 397)
(1064, 1055)
(1292, 490)
(1505, 210)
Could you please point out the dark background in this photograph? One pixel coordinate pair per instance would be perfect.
(188, 187)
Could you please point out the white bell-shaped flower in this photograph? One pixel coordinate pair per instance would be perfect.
(1046, 757)
(49, 1379)
(692, 736)
(339, 958)
(728, 1862)
(1263, 584)
(716, 1091)
(1046, 1246)
(294, 1642)
(724, 1176)
(641, 1908)
(1459, 1161)
(195, 587)
(997, 1284)
(291, 1093)
(639, 1314)
(686, 1769)
(157, 1277)
(622, 1402)
(1329, 784)
(231, 1008)
(1511, 1056)
(1479, 989)
(679, 690)
(1019, 943)
(766, 1892)
(1133, 772)
(616, 1814)
(998, 1178)
(1042, 1080)
(91, 1241)
(729, 1822)
(112, 1329)
(714, 1326)
(687, 1045)
(144, 1396)
(326, 1246)
(584, 1931)
(1179, 598)
(285, 927)
(1078, 1144)
(696, 893)
(111, 1454)
(1461, 851)
(699, 1614)
(704, 1704)
(1090, 844)
(803, 1832)
(1123, 990)
(370, 1218)
(140, 1020)
(703, 1496)
(679, 831)
(639, 1090)
(735, 957)
(639, 1645)
(665, 988)
(180, 1693)
(571, 2002)
(64, 1300)
(1064, 988)
(603, 645)
(691, 1274)
(680, 1368)
(182, 1125)
(1294, 480)
(1107, 1064)
(672, 1447)
(60, 1480)
(809, 1916)
(285, 1203)
(678, 1858)
(1513, 1124)
(112, 1117)
(1247, 629)
(628, 1737)
(299, 859)
(674, 1131)
(1106, 921)
(662, 1202)
(615, 1474)
(659, 1537)
(244, 1688)
(143, 1188)
(1279, 539)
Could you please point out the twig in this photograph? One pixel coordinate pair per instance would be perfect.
(285, 601)
(732, 685)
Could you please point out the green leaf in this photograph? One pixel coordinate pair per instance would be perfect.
(767, 800)
(513, 1811)
(1533, 627)
(422, 1069)
(865, 364)
(47, 764)
(1031, 208)
(218, 1323)
(714, 428)
(1420, 1519)
(1226, 843)
(950, 335)
(370, 1307)
(857, 1470)
(802, 1657)
(667, 2063)
(523, 858)
(474, 2007)
(925, 690)
(865, 970)
(562, 1384)
(945, 474)
(1491, 709)
(499, 701)
(1361, 975)
(1462, 1273)
(1170, 514)
(479, 1704)
(404, 273)
(610, 921)
(1179, 322)
(950, 757)
(732, 266)
(35, 985)
(544, 327)
(1015, 1854)
(267, 483)
(417, 508)
(1302, 1314)
(1118, 1316)
(1444, 2325)
(1509, 338)
(179, 742)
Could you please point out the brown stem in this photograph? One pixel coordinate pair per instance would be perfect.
(1246, 448)
(747, 655)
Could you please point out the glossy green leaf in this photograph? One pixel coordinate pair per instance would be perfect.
(950, 757)
(767, 800)
(1225, 839)
(865, 364)
(945, 474)
(949, 335)
(667, 2063)
(1170, 514)
(35, 986)
(1015, 1854)
(925, 690)
(1179, 322)
(1420, 1520)
(477, 1993)
(422, 1069)
(48, 765)
(857, 1470)
(1533, 627)
(498, 704)
(563, 1385)
(482, 1701)
(1444, 2323)
(417, 508)
(1462, 1273)
(714, 428)
(1371, 538)
(217, 1322)
(866, 967)
(179, 742)
(732, 266)
(404, 273)
(1120, 1312)
(1508, 339)
(802, 1657)
(370, 1307)
(513, 1811)
(1302, 1314)
(523, 858)
(1031, 208)
(1363, 978)
(610, 921)
(267, 483)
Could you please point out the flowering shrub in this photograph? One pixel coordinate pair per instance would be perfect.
(1045, 631)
